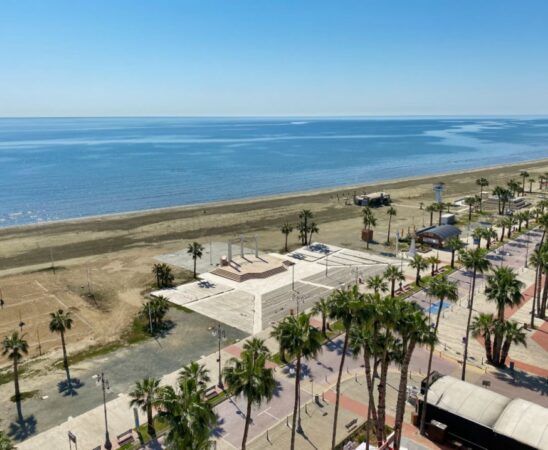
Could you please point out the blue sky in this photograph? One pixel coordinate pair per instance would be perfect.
(273, 57)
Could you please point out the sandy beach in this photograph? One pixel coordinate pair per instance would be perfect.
(114, 254)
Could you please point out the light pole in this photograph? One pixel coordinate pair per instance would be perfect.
(293, 277)
(298, 298)
(219, 332)
(326, 256)
(526, 252)
(105, 387)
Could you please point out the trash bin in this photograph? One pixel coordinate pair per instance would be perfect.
(437, 431)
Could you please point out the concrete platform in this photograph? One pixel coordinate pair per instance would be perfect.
(248, 267)
(191, 292)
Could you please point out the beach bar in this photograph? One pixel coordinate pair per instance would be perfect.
(373, 200)
(437, 236)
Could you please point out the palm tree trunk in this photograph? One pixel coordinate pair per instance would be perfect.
(65, 359)
(470, 308)
(295, 405)
(388, 235)
(369, 381)
(418, 277)
(393, 288)
(452, 259)
(402, 393)
(505, 350)
(381, 405)
(194, 267)
(534, 299)
(429, 371)
(324, 324)
(16, 380)
(502, 235)
(247, 422)
(469, 213)
(338, 391)
(150, 421)
(488, 349)
(431, 218)
(542, 312)
(286, 236)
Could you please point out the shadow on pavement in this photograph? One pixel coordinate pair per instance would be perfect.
(23, 427)
(69, 388)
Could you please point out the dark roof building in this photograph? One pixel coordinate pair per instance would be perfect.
(437, 236)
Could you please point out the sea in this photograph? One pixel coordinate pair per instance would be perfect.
(65, 168)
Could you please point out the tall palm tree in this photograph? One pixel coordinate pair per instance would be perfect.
(431, 209)
(313, 229)
(393, 274)
(145, 395)
(188, 414)
(15, 347)
(481, 182)
(454, 244)
(414, 330)
(297, 339)
(5, 442)
(504, 289)
(470, 202)
(531, 181)
(513, 334)
(60, 322)
(249, 377)
(322, 308)
(304, 216)
(474, 260)
(488, 234)
(164, 275)
(391, 213)
(255, 346)
(196, 250)
(477, 234)
(419, 264)
(369, 222)
(196, 372)
(442, 289)
(377, 283)
(286, 229)
(433, 260)
(439, 209)
(345, 303)
(484, 326)
(523, 174)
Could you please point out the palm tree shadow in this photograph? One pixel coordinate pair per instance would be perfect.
(23, 427)
(219, 430)
(69, 387)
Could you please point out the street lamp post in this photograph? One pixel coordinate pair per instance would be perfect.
(219, 332)
(299, 299)
(105, 387)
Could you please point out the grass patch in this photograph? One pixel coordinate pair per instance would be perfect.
(6, 375)
(219, 398)
(25, 395)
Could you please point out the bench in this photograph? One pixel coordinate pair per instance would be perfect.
(351, 424)
(125, 438)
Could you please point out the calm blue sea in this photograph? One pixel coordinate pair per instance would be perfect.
(55, 169)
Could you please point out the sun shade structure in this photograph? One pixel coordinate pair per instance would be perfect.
(483, 419)
(437, 236)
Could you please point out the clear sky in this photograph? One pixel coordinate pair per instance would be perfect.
(273, 57)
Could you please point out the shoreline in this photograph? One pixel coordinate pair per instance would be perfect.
(115, 216)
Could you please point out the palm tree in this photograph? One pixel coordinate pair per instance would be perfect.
(489, 234)
(393, 274)
(322, 308)
(249, 377)
(304, 216)
(369, 222)
(164, 276)
(454, 244)
(439, 209)
(391, 213)
(476, 261)
(344, 305)
(504, 289)
(419, 264)
(433, 260)
(484, 326)
(523, 174)
(196, 250)
(255, 346)
(313, 229)
(513, 335)
(145, 395)
(286, 229)
(477, 234)
(15, 347)
(443, 289)
(431, 209)
(414, 330)
(196, 372)
(297, 339)
(5, 442)
(514, 187)
(482, 182)
(470, 202)
(155, 310)
(531, 181)
(59, 323)
(188, 414)
(377, 283)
